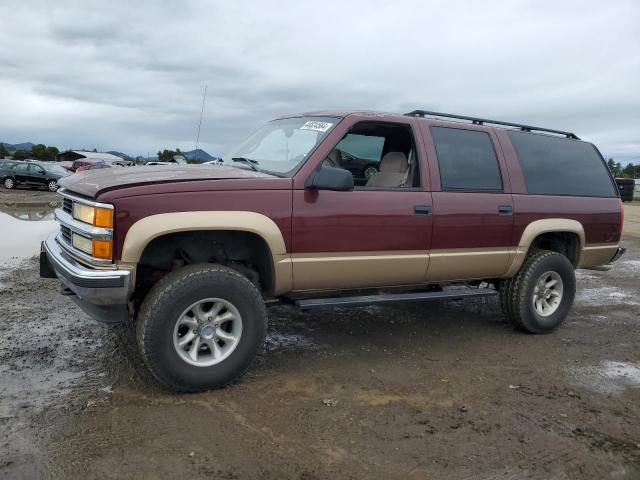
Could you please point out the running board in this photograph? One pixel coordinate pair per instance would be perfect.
(311, 303)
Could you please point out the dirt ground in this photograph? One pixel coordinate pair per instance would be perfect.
(413, 391)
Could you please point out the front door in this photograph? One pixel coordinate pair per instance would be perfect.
(38, 176)
(377, 235)
(472, 203)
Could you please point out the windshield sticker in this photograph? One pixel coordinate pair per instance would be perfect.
(317, 126)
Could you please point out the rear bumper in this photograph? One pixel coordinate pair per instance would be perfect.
(102, 294)
(620, 252)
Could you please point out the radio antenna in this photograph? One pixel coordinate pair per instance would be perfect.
(195, 157)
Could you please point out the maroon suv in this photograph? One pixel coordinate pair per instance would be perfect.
(455, 207)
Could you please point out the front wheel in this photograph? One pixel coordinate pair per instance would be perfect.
(201, 327)
(52, 185)
(9, 183)
(540, 296)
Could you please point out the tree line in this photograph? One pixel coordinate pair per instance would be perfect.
(37, 152)
(628, 171)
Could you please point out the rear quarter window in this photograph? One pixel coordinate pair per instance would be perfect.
(561, 166)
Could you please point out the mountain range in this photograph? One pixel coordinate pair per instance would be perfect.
(17, 146)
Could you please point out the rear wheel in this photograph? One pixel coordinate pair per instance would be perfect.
(368, 171)
(201, 327)
(9, 183)
(540, 296)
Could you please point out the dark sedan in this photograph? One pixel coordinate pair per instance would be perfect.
(34, 175)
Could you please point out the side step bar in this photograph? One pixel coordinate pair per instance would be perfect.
(311, 303)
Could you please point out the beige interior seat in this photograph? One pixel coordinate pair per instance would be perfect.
(393, 171)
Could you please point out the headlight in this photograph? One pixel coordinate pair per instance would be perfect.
(95, 247)
(82, 243)
(99, 217)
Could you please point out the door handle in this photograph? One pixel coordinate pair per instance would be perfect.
(505, 209)
(422, 210)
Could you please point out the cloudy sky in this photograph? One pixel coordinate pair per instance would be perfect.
(129, 75)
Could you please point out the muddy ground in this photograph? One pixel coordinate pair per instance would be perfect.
(442, 391)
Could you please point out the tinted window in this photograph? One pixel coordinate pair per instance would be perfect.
(362, 146)
(559, 166)
(22, 167)
(466, 159)
(35, 168)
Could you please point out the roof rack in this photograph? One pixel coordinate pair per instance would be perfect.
(482, 121)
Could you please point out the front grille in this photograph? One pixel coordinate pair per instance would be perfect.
(66, 233)
(67, 206)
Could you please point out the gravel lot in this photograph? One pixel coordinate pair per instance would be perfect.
(444, 391)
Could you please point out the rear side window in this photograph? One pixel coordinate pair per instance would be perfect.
(560, 166)
(466, 159)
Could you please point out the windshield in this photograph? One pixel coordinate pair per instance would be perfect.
(280, 146)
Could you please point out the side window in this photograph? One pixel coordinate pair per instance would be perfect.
(379, 155)
(35, 169)
(22, 168)
(560, 166)
(466, 159)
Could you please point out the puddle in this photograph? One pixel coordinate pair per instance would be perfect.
(23, 227)
(609, 377)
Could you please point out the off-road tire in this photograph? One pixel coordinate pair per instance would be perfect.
(9, 183)
(165, 303)
(516, 294)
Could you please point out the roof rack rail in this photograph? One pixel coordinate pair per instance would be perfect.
(482, 121)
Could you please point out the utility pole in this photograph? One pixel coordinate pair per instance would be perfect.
(195, 157)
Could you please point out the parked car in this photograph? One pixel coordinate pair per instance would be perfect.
(35, 175)
(83, 164)
(96, 166)
(459, 208)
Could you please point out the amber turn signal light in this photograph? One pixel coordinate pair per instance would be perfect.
(103, 217)
(102, 249)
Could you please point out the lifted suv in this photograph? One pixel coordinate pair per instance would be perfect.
(456, 207)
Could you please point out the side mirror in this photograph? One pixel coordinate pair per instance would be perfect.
(331, 178)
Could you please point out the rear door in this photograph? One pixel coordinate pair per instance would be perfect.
(472, 203)
(371, 236)
(21, 173)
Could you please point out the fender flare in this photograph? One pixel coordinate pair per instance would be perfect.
(539, 227)
(148, 228)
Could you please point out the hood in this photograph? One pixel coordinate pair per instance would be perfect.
(92, 182)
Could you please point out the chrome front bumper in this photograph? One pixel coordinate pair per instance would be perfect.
(101, 293)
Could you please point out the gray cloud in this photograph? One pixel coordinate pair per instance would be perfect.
(129, 75)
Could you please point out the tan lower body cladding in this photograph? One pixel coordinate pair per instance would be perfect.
(344, 270)
(597, 254)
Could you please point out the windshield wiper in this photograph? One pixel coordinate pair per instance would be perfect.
(248, 161)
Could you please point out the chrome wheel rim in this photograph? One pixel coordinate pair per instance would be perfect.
(547, 294)
(369, 171)
(53, 186)
(8, 183)
(207, 332)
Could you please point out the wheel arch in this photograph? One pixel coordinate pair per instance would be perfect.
(545, 230)
(146, 230)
